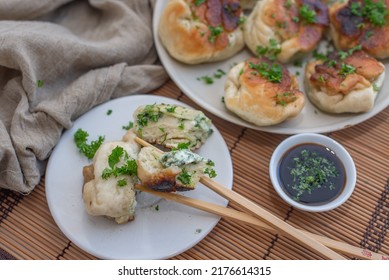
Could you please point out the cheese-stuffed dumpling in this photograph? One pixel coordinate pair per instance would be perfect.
(109, 181)
(344, 82)
(361, 22)
(262, 92)
(169, 125)
(285, 29)
(201, 31)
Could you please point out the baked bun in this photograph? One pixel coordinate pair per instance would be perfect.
(285, 29)
(178, 170)
(352, 24)
(170, 125)
(196, 32)
(346, 82)
(112, 196)
(262, 92)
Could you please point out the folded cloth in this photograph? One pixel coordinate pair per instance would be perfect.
(58, 59)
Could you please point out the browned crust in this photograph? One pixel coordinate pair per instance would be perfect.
(349, 30)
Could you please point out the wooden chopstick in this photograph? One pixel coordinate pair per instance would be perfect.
(263, 214)
(244, 218)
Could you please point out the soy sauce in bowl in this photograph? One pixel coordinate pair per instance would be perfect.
(311, 173)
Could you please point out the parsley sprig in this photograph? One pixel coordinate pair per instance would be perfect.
(307, 14)
(81, 139)
(129, 166)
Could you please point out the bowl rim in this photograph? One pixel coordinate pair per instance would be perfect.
(317, 138)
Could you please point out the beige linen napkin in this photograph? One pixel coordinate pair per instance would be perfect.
(58, 59)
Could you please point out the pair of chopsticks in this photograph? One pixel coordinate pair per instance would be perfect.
(263, 219)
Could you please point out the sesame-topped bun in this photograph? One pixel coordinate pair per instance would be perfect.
(285, 29)
(262, 92)
(194, 31)
(345, 82)
(361, 22)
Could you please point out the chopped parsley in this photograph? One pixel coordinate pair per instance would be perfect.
(376, 88)
(109, 112)
(311, 171)
(81, 138)
(271, 72)
(346, 69)
(210, 172)
(183, 146)
(373, 11)
(185, 177)
(198, 2)
(215, 31)
(206, 79)
(271, 51)
(39, 83)
(307, 14)
(129, 126)
(156, 208)
(122, 183)
(129, 166)
(149, 113)
(171, 109)
(219, 73)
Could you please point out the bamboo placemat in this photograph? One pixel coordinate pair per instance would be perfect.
(27, 230)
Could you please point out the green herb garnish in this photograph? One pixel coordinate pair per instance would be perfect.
(373, 11)
(346, 69)
(271, 51)
(129, 126)
(39, 83)
(271, 72)
(215, 31)
(109, 112)
(311, 171)
(81, 139)
(210, 172)
(122, 183)
(171, 109)
(185, 177)
(206, 79)
(198, 2)
(149, 113)
(118, 155)
(307, 14)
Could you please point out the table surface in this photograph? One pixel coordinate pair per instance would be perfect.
(28, 231)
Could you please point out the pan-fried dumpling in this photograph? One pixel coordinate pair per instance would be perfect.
(345, 82)
(169, 125)
(201, 31)
(262, 92)
(109, 181)
(361, 22)
(285, 29)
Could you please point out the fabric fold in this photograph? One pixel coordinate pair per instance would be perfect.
(59, 65)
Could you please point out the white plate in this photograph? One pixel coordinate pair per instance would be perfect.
(209, 96)
(153, 234)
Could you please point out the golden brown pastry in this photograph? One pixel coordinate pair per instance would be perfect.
(361, 22)
(285, 29)
(344, 82)
(262, 92)
(196, 31)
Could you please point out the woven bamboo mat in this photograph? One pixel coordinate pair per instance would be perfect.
(27, 230)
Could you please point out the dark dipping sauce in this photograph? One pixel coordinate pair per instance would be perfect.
(311, 174)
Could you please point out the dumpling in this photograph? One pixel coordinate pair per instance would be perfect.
(285, 29)
(195, 31)
(361, 22)
(171, 125)
(178, 170)
(109, 182)
(345, 82)
(262, 92)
